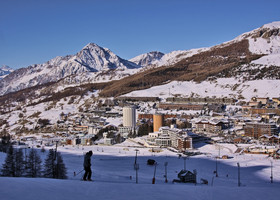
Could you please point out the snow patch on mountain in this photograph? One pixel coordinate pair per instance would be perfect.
(265, 46)
(220, 88)
(272, 59)
(175, 56)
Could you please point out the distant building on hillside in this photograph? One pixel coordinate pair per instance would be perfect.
(210, 126)
(184, 143)
(255, 130)
(170, 137)
(129, 116)
(181, 106)
(157, 121)
(93, 130)
(205, 100)
(258, 111)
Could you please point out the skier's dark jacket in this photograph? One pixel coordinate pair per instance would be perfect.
(87, 159)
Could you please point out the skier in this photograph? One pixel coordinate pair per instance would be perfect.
(87, 165)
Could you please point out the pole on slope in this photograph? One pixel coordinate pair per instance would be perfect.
(154, 178)
(165, 165)
(135, 161)
(271, 176)
(238, 165)
(217, 161)
(136, 169)
(216, 166)
(136, 165)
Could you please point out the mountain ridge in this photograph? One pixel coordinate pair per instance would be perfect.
(95, 64)
(91, 59)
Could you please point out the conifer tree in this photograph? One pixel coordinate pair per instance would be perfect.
(33, 164)
(61, 169)
(5, 141)
(54, 166)
(19, 163)
(49, 169)
(8, 168)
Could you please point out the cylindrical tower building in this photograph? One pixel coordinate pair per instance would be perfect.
(129, 116)
(158, 121)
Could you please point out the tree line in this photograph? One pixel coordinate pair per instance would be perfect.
(19, 165)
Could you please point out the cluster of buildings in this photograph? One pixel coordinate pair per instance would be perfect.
(256, 120)
(162, 136)
(265, 115)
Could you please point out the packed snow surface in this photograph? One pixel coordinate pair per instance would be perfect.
(115, 178)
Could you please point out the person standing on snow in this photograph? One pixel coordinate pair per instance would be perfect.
(87, 166)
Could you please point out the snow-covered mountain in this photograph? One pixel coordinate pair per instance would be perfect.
(147, 58)
(4, 71)
(89, 62)
(96, 58)
(250, 56)
(264, 40)
(258, 77)
(176, 56)
(157, 59)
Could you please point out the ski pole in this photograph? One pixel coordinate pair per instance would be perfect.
(78, 172)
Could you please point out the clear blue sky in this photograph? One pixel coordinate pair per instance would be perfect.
(35, 31)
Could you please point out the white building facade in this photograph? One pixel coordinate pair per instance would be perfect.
(129, 116)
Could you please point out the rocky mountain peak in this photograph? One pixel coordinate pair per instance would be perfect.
(90, 60)
(5, 70)
(263, 40)
(94, 48)
(272, 25)
(147, 58)
(265, 31)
